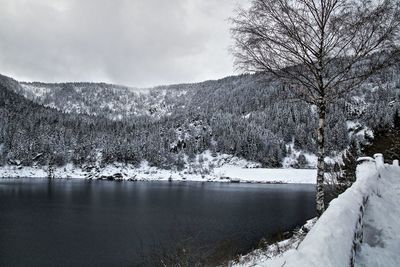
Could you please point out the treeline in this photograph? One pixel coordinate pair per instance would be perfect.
(31, 134)
(250, 116)
(386, 139)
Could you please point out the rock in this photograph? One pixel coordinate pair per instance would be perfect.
(118, 175)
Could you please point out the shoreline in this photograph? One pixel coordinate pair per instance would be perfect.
(270, 250)
(224, 174)
(227, 181)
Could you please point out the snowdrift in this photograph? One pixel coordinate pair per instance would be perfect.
(333, 239)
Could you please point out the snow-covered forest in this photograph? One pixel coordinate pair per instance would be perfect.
(249, 116)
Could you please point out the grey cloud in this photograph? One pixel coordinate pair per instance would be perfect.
(137, 42)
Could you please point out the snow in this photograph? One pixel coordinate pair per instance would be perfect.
(295, 176)
(247, 116)
(352, 124)
(381, 241)
(330, 241)
(291, 160)
(35, 90)
(358, 129)
(274, 250)
(121, 101)
(203, 167)
(361, 159)
(69, 171)
(226, 173)
(379, 160)
(17, 172)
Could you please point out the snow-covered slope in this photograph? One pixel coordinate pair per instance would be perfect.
(381, 232)
(247, 116)
(112, 101)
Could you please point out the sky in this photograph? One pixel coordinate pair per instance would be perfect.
(139, 43)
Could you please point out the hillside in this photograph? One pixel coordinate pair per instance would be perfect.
(249, 116)
(112, 101)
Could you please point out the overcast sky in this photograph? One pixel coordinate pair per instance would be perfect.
(133, 42)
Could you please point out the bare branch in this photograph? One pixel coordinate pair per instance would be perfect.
(317, 46)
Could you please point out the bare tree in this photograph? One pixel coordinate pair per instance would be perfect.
(320, 49)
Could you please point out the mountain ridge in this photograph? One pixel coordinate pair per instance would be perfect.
(246, 116)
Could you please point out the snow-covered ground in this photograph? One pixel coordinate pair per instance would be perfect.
(227, 173)
(329, 242)
(274, 250)
(381, 233)
(262, 175)
(204, 167)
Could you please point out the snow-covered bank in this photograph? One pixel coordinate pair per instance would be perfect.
(262, 175)
(330, 242)
(381, 232)
(274, 250)
(226, 173)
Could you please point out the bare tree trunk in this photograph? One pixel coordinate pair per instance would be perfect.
(321, 156)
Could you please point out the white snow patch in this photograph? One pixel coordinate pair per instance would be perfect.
(357, 129)
(264, 175)
(292, 159)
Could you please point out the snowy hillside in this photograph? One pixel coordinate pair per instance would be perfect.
(246, 116)
(112, 101)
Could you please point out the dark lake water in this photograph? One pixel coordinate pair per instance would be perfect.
(104, 223)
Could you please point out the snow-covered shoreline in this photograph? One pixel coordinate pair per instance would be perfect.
(120, 172)
(273, 250)
(376, 183)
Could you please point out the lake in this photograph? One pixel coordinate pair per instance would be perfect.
(104, 223)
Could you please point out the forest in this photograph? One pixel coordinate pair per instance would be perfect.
(249, 116)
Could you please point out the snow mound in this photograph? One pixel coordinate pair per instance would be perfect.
(330, 241)
(381, 234)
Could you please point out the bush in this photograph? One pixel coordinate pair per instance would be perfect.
(302, 161)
